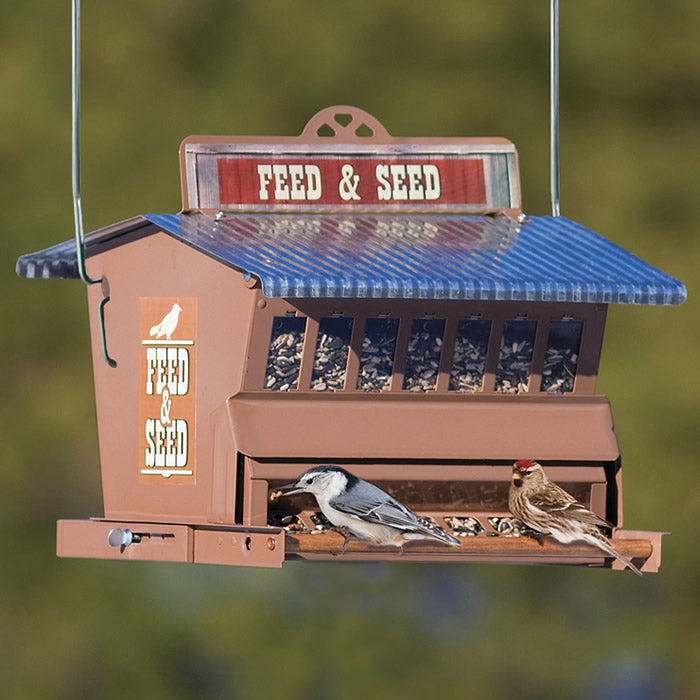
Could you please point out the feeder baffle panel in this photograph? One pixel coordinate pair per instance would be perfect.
(374, 302)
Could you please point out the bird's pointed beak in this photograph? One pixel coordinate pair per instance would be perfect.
(517, 479)
(290, 489)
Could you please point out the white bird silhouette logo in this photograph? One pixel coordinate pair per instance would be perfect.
(169, 323)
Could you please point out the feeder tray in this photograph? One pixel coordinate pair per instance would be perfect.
(374, 302)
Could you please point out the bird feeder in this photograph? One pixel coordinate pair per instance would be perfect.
(353, 298)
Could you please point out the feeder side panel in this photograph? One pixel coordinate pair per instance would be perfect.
(398, 427)
(160, 270)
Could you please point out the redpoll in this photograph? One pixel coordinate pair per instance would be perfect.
(548, 509)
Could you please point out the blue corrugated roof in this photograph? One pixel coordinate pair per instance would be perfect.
(403, 256)
(426, 257)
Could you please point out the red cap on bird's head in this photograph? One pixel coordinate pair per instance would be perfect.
(524, 464)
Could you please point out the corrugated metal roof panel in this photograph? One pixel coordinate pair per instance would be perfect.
(399, 256)
(61, 260)
(426, 257)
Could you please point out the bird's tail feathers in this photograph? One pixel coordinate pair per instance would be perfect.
(430, 529)
(155, 329)
(602, 542)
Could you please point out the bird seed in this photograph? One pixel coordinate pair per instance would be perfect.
(508, 527)
(464, 526)
(515, 358)
(423, 357)
(561, 356)
(377, 360)
(321, 523)
(288, 521)
(469, 359)
(284, 359)
(331, 359)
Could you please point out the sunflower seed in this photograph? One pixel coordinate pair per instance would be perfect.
(377, 360)
(331, 357)
(559, 370)
(508, 527)
(284, 358)
(464, 526)
(423, 354)
(515, 358)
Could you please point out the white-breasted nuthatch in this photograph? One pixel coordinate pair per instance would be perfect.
(362, 510)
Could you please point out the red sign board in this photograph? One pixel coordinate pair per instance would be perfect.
(343, 180)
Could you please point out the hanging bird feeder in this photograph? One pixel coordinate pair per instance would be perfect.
(374, 302)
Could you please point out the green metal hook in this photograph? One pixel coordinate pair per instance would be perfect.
(108, 359)
(77, 206)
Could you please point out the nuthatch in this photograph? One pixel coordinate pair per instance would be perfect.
(362, 510)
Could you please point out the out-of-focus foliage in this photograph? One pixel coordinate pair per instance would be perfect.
(155, 71)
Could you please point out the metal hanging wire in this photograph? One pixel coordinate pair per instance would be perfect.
(77, 204)
(554, 105)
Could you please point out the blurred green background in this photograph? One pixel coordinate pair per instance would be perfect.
(155, 71)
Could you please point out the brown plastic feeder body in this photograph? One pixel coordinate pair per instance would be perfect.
(197, 430)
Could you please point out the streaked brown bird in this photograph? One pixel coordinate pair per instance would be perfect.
(548, 509)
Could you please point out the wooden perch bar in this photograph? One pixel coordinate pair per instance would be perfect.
(481, 546)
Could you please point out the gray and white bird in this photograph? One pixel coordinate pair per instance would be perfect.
(362, 510)
(548, 509)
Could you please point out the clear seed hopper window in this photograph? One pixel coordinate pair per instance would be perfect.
(515, 358)
(331, 358)
(377, 359)
(284, 358)
(471, 338)
(423, 357)
(561, 357)
(469, 360)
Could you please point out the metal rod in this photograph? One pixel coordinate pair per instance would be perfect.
(77, 205)
(554, 105)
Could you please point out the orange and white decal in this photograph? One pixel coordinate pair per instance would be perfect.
(167, 329)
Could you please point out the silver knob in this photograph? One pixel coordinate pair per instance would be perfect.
(117, 537)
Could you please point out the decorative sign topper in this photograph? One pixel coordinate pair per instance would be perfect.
(348, 171)
(349, 180)
(167, 382)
